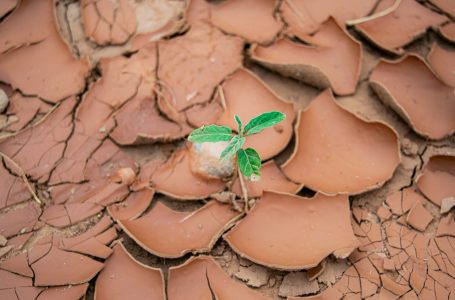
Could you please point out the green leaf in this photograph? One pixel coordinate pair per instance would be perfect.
(234, 145)
(210, 133)
(239, 124)
(249, 162)
(263, 121)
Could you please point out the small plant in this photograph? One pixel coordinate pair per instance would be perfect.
(248, 160)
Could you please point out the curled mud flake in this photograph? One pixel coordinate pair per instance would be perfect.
(333, 59)
(437, 181)
(443, 63)
(412, 18)
(19, 220)
(199, 115)
(6, 6)
(448, 31)
(333, 165)
(133, 206)
(9, 280)
(175, 179)
(123, 277)
(205, 160)
(193, 65)
(240, 17)
(58, 267)
(418, 217)
(417, 95)
(446, 226)
(305, 17)
(64, 292)
(168, 233)
(108, 22)
(140, 122)
(37, 150)
(272, 179)
(245, 86)
(202, 278)
(17, 264)
(324, 228)
(146, 172)
(447, 6)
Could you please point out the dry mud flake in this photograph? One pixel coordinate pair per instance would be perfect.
(13, 189)
(272, 179)
(37, 149)
(247, 96)
(202, 278)
(175, 179)
(437, 181)
(31, 38)
(412, 19)
(417, 95)
(305, 17)
(348, 155)
(443, 63)
(6, 6)
(168, 233)
(192, 65)
(133, 206)
(123, 277)
(448, 32)
(108, 22)
(20, 220)
(303, 233)
(447, 6)
(241, 17)
(333, 59)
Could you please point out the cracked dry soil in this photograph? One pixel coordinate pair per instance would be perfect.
(358, 183)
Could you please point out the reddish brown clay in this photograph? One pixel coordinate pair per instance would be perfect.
(443, 63)
(326, 162)
(332, 58)
(123, 277)
(448, 31)
(412, 18)
(168, 233)
(304, 231)
(414, 92)
(418, 217)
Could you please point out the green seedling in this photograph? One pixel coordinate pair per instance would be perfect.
(248, 160)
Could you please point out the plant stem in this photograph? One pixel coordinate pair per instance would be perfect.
(383, 13)
(24, 178)
(244, 190)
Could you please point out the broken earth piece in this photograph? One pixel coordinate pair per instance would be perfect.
(328, 163)
(323, 228)
(448, 32)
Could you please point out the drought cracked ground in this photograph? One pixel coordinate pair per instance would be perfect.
(102, 197)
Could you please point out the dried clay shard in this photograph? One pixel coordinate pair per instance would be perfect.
(442, 61)
(448, 6)
(305, 17)
(415, 93)
(303, 231)
(448, 31)
(438, 179)
(6, 6)
(247, 96)
(346, 156)
(64, 292)
(19, 220)
(192, 65)
(333, 59)
(418, 217)
(67, 268)
(108, 22)
(175, 179)
(272, 179)
(123, 277)
(133, 206)
(168, 233)
(410, 17)
(202, 278)
(241, 17)
(43, 65)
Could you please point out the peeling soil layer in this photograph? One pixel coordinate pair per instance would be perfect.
(102, 197)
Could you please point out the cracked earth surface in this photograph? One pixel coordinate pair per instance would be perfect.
(101, 197)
